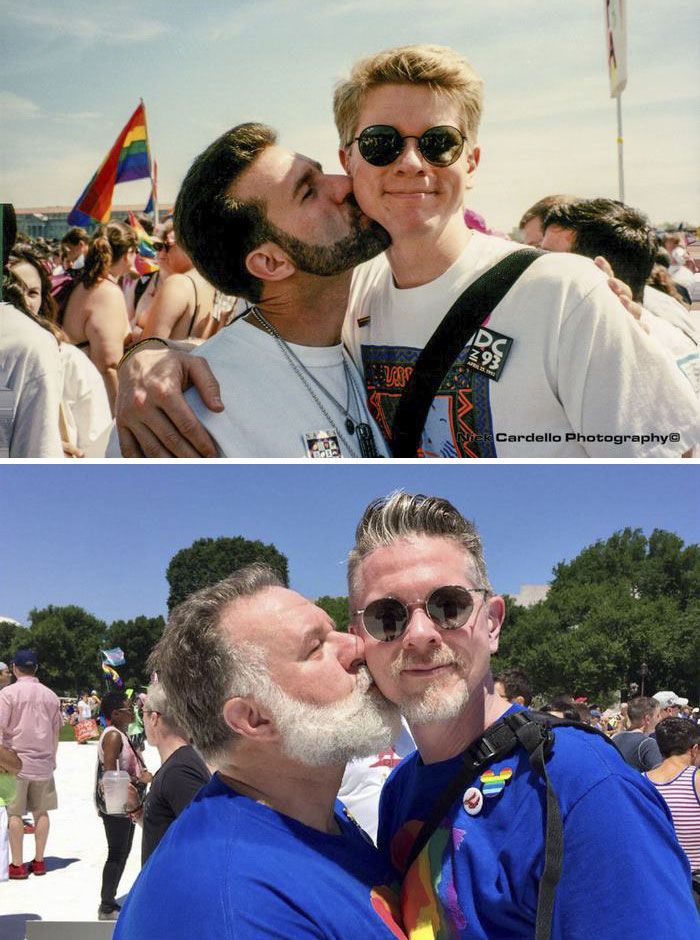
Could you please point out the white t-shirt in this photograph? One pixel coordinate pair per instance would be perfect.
(30, 388)
(84, 710)
(364, 778)
(580, 379)
(682, 348)
(85, 402)
(268, 410)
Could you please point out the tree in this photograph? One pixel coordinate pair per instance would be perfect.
(621, 602)
(337, 609)
(207, 561)
(11, 635)
(136, 638)
(68, 643)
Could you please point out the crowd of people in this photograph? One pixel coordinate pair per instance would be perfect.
(373, 320)
(484, 812)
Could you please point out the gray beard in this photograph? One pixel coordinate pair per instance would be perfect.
(434, 703)
(360, 725)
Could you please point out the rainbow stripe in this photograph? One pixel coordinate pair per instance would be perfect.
(113, 675)
(129, 159)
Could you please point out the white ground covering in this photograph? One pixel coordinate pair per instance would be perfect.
(75, 852)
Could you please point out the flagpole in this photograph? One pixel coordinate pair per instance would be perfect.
(620, 143)
(150, 161)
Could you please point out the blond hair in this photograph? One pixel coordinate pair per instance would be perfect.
(442, 69)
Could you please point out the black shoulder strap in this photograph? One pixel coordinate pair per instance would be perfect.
(532, 730)
(460, 322)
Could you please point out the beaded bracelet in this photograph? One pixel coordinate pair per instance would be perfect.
(141, 342)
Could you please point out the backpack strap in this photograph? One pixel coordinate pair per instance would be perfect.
(460, 322)
(533, 731)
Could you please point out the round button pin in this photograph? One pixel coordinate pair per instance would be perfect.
(472, 801)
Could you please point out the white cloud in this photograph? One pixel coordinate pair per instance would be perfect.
(86, 23)
(16, 107)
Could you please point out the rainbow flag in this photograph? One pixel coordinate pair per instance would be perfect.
(144, 262)
(113, 675)
(129, 159)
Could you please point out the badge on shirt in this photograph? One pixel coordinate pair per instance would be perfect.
(322, 445)
(473, 800)
(493, 784)
(488, 352)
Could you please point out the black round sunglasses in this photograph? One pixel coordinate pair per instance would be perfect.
(449, 607)
(381, 144)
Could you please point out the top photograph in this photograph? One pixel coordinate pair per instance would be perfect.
(344, 231)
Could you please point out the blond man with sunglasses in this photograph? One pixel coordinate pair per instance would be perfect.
(430, 621)
(557, 370)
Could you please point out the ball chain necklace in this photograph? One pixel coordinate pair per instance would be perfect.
(365, 436)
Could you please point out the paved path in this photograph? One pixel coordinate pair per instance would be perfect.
(75, 853)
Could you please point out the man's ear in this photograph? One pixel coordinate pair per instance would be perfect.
(269, 262)
(472, 163)
(245, 717)
(344, 159)
(496, 613)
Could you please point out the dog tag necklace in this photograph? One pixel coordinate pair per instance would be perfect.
(363, 431)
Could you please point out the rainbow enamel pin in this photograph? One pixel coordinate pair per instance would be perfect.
(493, 784)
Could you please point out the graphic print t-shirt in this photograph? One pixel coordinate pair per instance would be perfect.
(573, 352)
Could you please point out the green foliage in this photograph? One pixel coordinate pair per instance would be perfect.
(207, 561)
(11, 636)
(136, 638)
(67, 641)
(337, 609)
(622, 602)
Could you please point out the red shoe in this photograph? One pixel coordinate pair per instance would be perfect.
(28, 828)
(18, 871)
(37, 868)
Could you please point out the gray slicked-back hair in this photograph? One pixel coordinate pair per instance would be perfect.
(200, 668)
(157, 701)
(403, 515)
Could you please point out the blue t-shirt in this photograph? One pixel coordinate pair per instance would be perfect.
(478, 876)
(229, 868)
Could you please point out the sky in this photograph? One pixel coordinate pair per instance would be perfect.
(102, 536)
(72, 73)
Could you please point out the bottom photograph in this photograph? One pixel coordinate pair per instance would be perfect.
(313, 701)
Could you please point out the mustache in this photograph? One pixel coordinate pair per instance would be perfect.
(439, 657)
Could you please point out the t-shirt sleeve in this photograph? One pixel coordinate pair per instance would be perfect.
(181, 785)
(649, 754)
(622, 822)
(35, 431)
(603, 357)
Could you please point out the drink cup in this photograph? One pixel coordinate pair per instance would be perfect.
(116, 791)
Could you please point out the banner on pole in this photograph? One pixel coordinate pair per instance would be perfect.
(616, 42)
(115, 657)
(129, 159)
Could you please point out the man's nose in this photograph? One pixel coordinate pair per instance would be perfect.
(421, 633)
(351, 650)
(340, 187)
(410, 160)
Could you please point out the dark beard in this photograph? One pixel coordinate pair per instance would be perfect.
(366, 240)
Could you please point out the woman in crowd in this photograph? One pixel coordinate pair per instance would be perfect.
(95, 317)
(181, 305)
(182, 771)
(114, 752)
(678, 781)
(85, 415)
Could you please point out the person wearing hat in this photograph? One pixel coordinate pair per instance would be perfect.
(30, 718)
(669, 704)
(4, 675)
